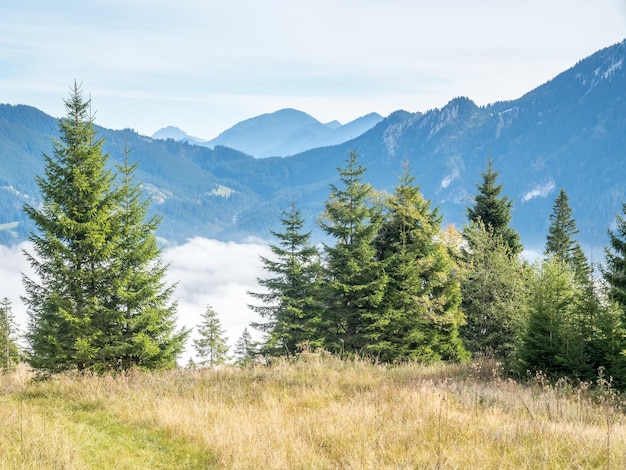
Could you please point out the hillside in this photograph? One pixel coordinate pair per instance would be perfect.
(568, 133)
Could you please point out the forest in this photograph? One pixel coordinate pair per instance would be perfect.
(395, 286)
(390, 284)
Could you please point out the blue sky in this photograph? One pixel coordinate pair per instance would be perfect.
(205, 65)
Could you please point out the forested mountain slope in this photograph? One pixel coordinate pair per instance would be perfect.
(568, 133)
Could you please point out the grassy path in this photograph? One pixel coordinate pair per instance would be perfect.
(62, 432)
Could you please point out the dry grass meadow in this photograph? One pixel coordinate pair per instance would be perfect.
(313, 412)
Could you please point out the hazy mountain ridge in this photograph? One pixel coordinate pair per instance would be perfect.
(569, 133)
(281, 133)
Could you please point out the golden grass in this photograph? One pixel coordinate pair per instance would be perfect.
(314, 412)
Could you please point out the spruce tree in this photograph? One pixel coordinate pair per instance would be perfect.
(9, 351)
(547, 341)
(560, 241)
(144, 333)
(98, 300)
(245, 348)
(420, 313)
(354, 280)
(73, 246)
(614, 271)
(291, 303)
(562, 229)
(212, 345)
(494, 291)
(493, 211)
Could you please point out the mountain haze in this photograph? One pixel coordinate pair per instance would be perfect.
(172, 132)
(569, 133)
(288, 132)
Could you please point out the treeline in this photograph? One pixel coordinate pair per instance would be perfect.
(393, 285)
(390, 283)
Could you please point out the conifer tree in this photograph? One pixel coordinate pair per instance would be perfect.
(494, 211)
(614, 271)
(72, 247)
(245, 348)
(560, 241)
(547, 343)
(144, 332)
(212, 345)
(9, 351)
(494, 291)
(420, 313)
(354, 281)
(291, 302)
(562, 229)
(98, 300)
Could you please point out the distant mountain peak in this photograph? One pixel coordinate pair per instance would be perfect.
(175, 133)
(289, 131)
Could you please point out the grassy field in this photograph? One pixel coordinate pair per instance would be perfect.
(316, 412)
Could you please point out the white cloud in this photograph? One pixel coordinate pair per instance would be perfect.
(454, 174)
(210, 272)
(12, 264)
(540, 190)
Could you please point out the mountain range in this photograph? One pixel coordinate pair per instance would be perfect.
(568, 133)
(278, 134)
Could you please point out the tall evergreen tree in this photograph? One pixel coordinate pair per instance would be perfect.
(547, 343)
(9, 351)
(291, 300)
(212, 345)
(88, 244)
(560, 241)
(73, 245)
(494, 211)
(355, 282)
(614, 271)
(420, 313)
(613, 323)
(494, 291)
(245, 348)
(144, 332)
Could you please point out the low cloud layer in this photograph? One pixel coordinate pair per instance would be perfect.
(207, 272)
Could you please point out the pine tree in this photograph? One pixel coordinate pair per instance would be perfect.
(420, 313)
(291, 299)
(494, 211)
(212, 345)
(98, 301)
(561, 242)
(605, 347)
(144, 332)
(245, 348)
(494, 292)
(613, 323)
(562, 229)
(614, 271)
(355, 282)
(9, 351)
(547, 340)
(73, 246)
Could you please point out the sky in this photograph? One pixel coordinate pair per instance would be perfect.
(204, 65)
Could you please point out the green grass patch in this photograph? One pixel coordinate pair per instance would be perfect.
(100, 440)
